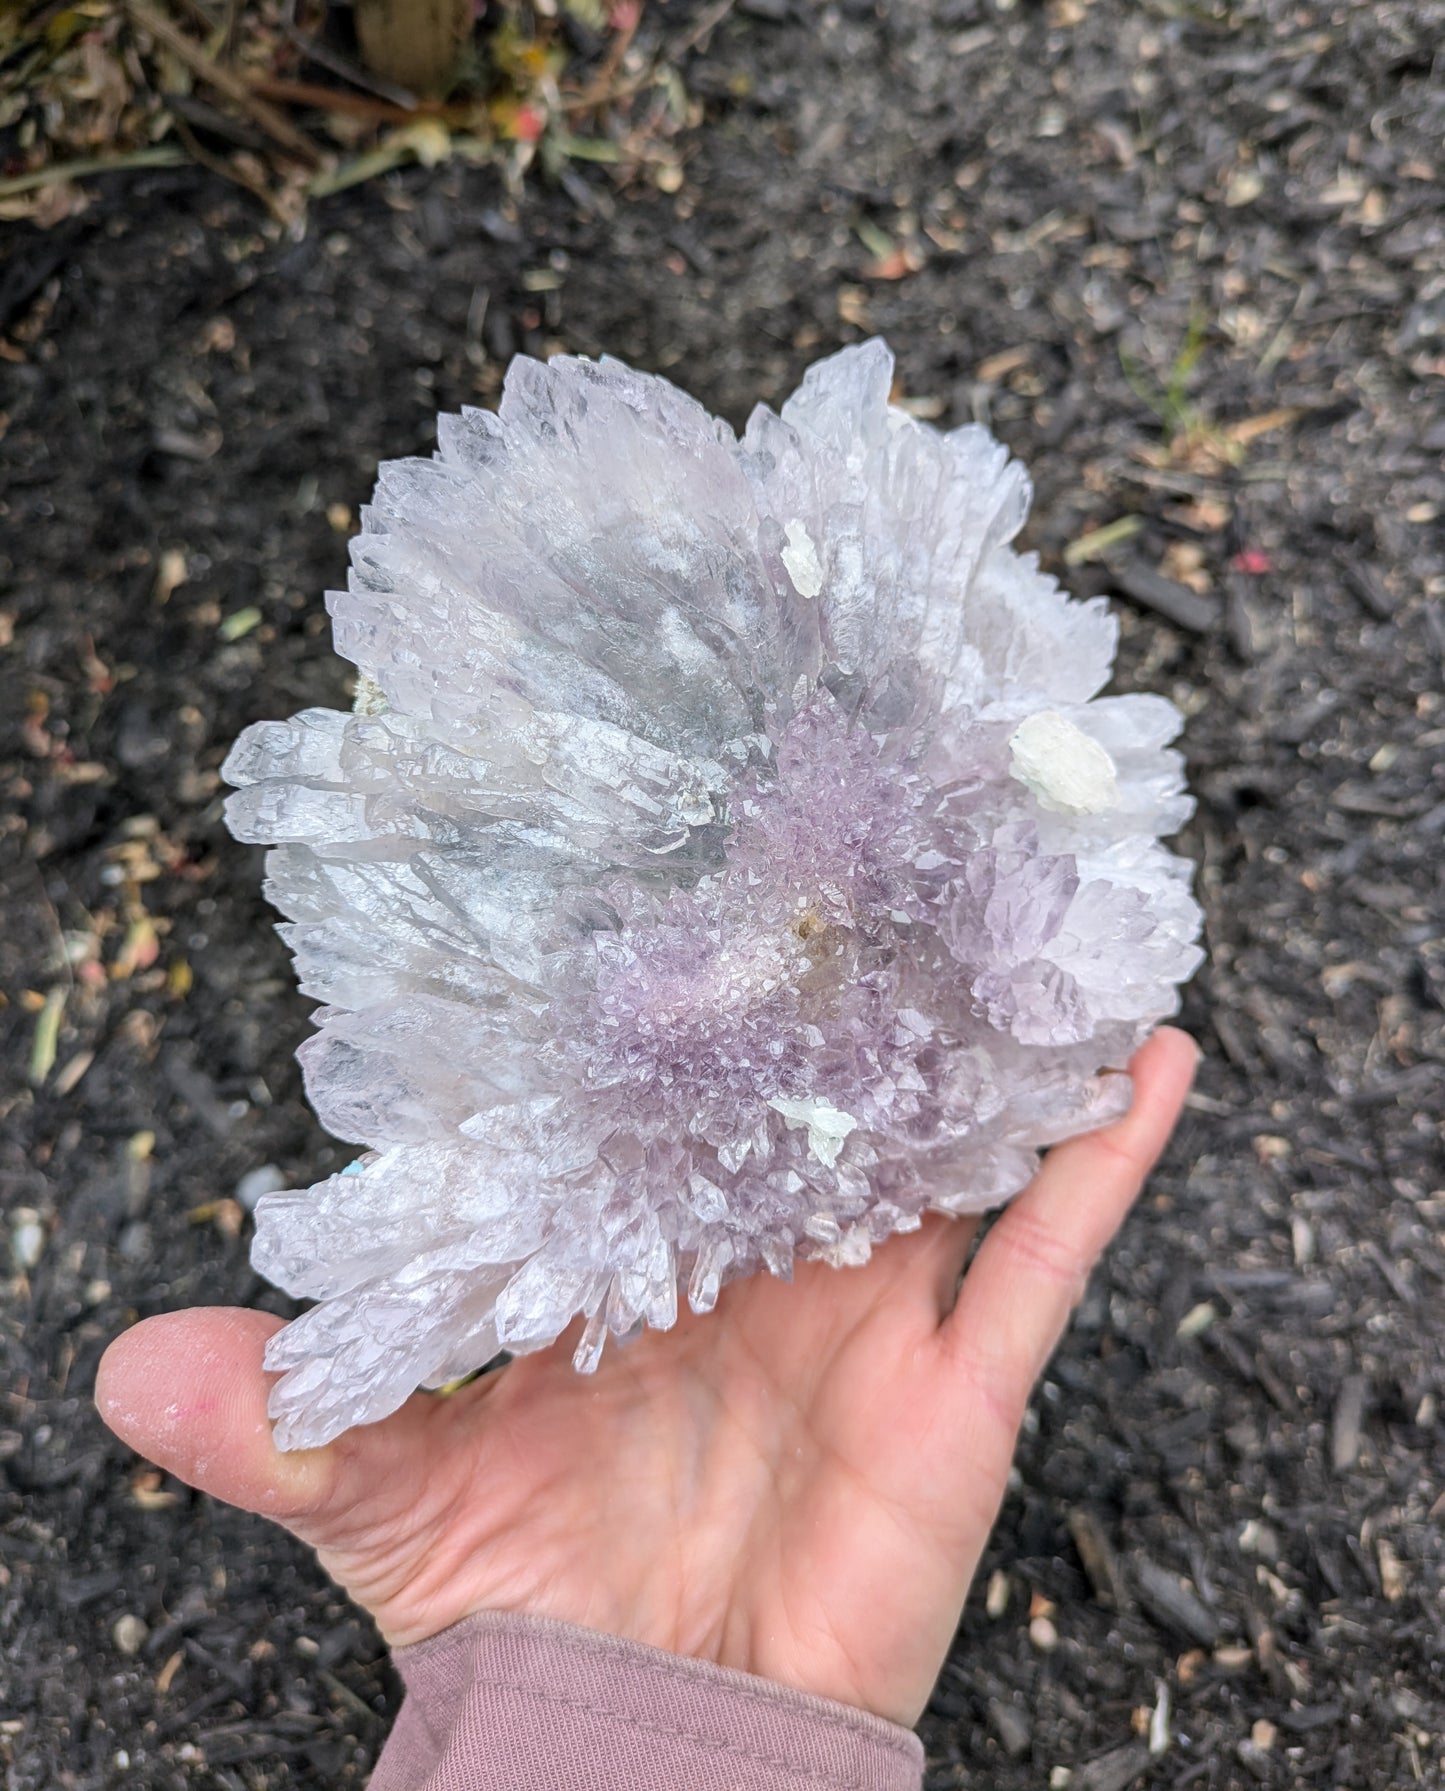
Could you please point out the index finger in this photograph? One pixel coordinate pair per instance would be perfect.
(1033, 1266)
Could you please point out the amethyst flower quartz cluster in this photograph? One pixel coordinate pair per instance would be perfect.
(728, 861)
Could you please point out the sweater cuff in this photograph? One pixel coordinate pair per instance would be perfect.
(502, 1700)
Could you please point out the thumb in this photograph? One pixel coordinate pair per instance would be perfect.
(187, 1391)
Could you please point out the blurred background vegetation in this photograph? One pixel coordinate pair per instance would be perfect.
(296, 99)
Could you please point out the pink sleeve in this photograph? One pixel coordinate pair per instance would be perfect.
(512, 1703)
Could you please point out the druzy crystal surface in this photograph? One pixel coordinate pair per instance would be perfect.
(730, 859)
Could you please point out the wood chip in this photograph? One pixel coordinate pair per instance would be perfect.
(1366, 584)
(72, 1072)
(1176, 603)
(1114, 1771)
(1266, 1652)
(1100, 1562)
(147, 1490)
(997, 365)
(1308, 1718)
(1392, 1571)
(1170, 1601)
(1011, 1725)
(1346, 1425)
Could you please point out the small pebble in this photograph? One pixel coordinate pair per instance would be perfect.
(1392, 1572)
(1263, 1734)
(1260, 1539)
(1043, 1635)
(27, 1240)
(129, 1633)
(134, 1243)
(268, 1179)
(1158, 1727)
(1196, 1321)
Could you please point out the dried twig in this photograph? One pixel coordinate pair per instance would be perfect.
(227, 169)
(704, 28)
(337, 99)
(325, 57)
(201, 15)
(598, 90)
(455, 115)
(592, 97)
(186, 50)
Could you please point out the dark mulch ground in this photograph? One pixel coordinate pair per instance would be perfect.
(1227, 1496)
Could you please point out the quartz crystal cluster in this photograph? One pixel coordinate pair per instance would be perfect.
(729, 860)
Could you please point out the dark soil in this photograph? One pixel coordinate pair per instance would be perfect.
(1116, 233)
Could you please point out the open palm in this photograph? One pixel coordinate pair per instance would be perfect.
(799, 1485)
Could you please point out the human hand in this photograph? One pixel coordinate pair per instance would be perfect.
(798, 1485)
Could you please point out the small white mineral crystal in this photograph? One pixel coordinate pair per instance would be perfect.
(729, 859)
(1065, 768)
